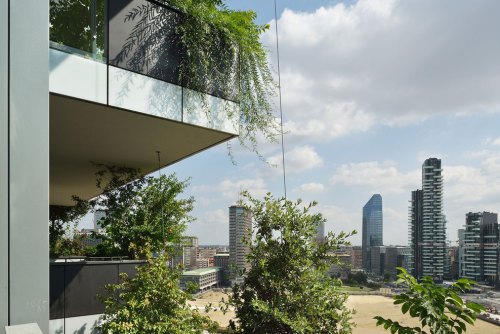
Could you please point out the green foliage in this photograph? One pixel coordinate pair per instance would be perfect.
(140, 210)
(387, 277)
(440, 310)
(359, 278)
(152, 302)
(60, 219)
(71, 24)
(221, 53)
(286, 290)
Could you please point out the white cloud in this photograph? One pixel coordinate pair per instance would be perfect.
(211, 227)
(311, 187)
(231, 189)
(393, 62)
(299, 159)
(341, 219)
(496, 142)
(378, 178)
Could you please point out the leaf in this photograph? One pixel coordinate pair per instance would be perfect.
(405, 307)
(475, 307)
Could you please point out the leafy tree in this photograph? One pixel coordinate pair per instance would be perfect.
(141, 210)
(440, 310)
(286, 290)
(152, 302)
(71, 24)
(60, 219)
(387, 276)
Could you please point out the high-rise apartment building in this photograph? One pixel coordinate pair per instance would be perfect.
(372, 228)
(461, 252)
(240, 227)
(320, 233)
(427, 224)
(480, 247)
(415, 233)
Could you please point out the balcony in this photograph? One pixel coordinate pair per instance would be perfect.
(116, 99)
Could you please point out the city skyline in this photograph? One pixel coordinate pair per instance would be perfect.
(373, 114)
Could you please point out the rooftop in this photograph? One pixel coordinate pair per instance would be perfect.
(201, 271)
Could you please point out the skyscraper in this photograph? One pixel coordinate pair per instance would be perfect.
(480, 247)
(240, 226)
(427, 224)
(415, 233)
(320, 233)
(372, 228)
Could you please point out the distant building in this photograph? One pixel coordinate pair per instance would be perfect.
(320, 233)
(89, 236)
(427, 224)
(205, 278)
(206, 252)
(343, 268)
(372, 228)
(202, 263)
(453, 255)
(481, 247)
(356, 257)
(377, 254)
(240, 227)
(190, 253)
(98, 215)
(461, 252)
(222, 261)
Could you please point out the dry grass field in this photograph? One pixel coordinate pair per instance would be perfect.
(366, 308)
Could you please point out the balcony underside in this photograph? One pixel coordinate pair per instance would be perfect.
(83, 134)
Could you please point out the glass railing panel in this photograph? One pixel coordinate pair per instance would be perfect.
(210, 111)
(79, 27)
(140, 93)
(76, 76)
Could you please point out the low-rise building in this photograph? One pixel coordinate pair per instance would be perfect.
(204, 278)
(357, 257)
(343, 268)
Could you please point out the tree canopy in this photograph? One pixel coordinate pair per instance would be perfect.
(286, 289)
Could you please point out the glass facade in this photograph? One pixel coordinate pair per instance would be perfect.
(372, 228)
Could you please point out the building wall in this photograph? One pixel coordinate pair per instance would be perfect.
(372, 228)
(357, 257)
(415, 234)
(240, 222)
(480, 247)
(434, 224)
(4, 165)
(24, 167)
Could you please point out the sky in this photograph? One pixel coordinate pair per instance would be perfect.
(370, 89)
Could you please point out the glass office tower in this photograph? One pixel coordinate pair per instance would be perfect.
(372, 228)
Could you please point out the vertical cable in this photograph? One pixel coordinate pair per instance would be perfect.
(279, 92)
(161, 201)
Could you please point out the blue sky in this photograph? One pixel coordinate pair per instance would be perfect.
(371, 88)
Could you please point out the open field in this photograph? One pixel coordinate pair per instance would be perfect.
(366, 306)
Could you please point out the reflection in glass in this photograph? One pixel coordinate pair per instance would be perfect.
(78, 27)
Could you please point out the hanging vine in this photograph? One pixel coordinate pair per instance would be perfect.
(220, 54)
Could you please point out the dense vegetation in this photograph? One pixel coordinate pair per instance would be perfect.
(286, 289)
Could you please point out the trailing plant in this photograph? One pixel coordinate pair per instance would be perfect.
(286, 289)
(440, 310)
(221, 53)
(151, 302)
